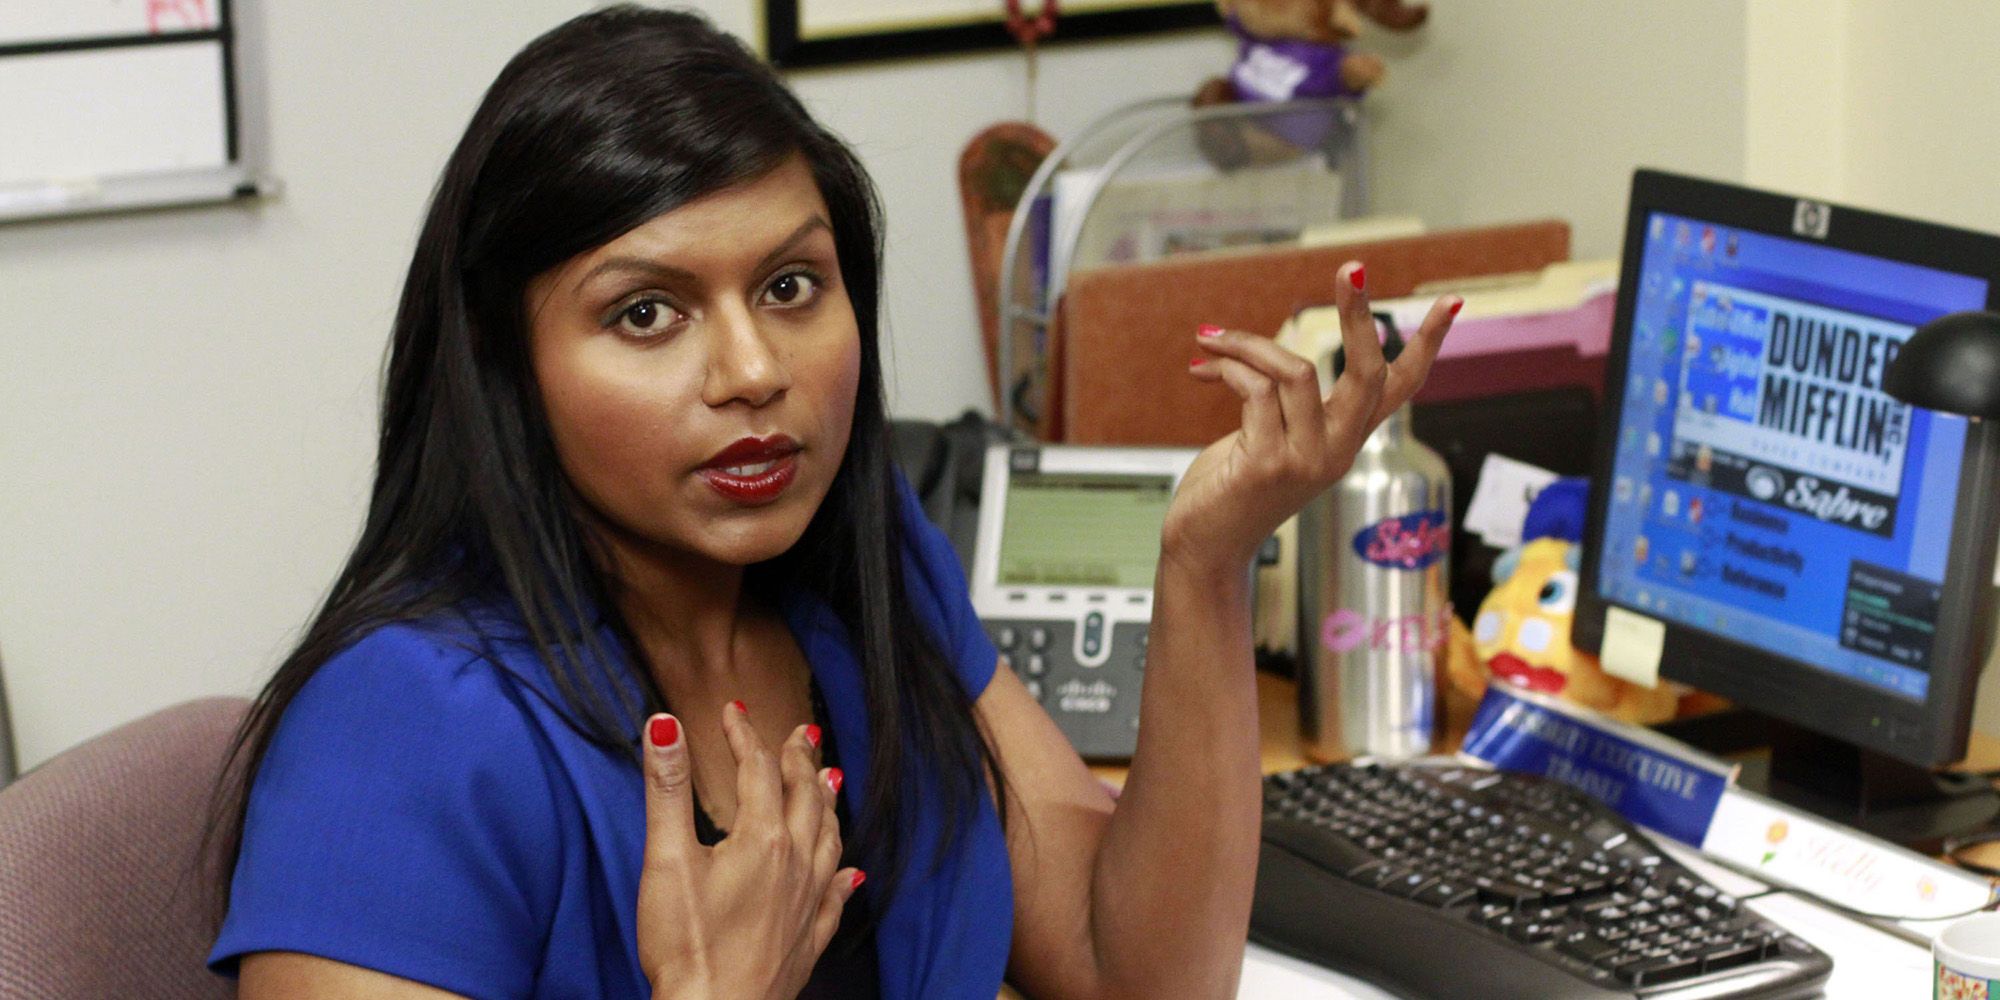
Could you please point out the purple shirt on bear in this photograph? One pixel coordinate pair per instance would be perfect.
(1284, 70)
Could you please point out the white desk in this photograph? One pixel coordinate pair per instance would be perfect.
(1868, 964)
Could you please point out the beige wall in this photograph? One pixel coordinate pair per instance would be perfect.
(186, 398)
(1511, 109)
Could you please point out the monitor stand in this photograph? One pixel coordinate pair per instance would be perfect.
(1839, 781)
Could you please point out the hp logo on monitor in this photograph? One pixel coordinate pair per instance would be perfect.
(1812, 218)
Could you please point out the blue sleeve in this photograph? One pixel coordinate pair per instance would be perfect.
(938, 589)
(402, 820)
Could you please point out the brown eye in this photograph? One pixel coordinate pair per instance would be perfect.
(794, 289)
(647, 318)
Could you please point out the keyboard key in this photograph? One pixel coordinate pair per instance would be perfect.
(1532, 932)
(1409, 884)
(1657, 968)
(1505, 892)
(1586, 946)
(1381, 877)
(1445, 893)
(1729, 956)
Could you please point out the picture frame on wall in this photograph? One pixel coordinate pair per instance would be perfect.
(800, 34)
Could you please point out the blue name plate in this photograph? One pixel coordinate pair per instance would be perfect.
(1651, 780)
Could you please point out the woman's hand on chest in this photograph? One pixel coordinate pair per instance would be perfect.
(750, 916)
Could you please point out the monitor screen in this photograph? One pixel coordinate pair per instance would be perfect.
(1764, 488)
(1082, 529)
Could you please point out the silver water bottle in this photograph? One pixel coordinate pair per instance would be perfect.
(1374, 606)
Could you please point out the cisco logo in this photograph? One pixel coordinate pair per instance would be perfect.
(1764, 483)
(1812, 218)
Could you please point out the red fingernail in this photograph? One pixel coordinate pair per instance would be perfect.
(1197, 362)
(1456, 306)
(739, 706)
(1208, 330)
(812, 735)
(1359, 276)
(859, 877)
(834, 779)
(665, 731)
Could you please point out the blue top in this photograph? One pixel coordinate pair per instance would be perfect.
(425, 811)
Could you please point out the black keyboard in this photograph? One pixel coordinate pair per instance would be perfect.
(1435, 879)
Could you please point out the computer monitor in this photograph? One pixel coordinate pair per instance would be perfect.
(1819, 552)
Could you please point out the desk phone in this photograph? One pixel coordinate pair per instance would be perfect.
(1062, 577)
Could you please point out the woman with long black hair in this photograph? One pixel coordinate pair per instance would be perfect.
(646, 653)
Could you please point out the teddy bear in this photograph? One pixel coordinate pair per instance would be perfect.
(1290, 50)
(1522, 631)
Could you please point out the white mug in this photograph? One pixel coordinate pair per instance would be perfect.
(1965, 959)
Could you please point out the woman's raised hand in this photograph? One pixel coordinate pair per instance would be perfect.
(1293, 442)
(749, 916)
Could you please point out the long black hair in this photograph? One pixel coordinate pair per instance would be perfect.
(596, 127)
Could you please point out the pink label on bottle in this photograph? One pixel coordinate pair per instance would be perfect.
(1346, 630)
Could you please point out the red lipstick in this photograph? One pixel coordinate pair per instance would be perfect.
(753, 471)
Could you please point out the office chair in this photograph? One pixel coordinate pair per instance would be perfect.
(99, 893)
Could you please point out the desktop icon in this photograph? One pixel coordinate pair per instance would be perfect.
(1670, 503)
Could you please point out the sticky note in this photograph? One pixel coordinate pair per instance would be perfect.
(1500, 500)
(1631, 648)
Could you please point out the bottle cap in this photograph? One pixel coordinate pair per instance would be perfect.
(1392, 343)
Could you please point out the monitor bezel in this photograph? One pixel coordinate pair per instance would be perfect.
(1928, 732)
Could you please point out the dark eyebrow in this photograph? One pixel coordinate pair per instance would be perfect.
(652, 268)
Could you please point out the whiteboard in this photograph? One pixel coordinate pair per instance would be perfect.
(114, 104)
(29, 21)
